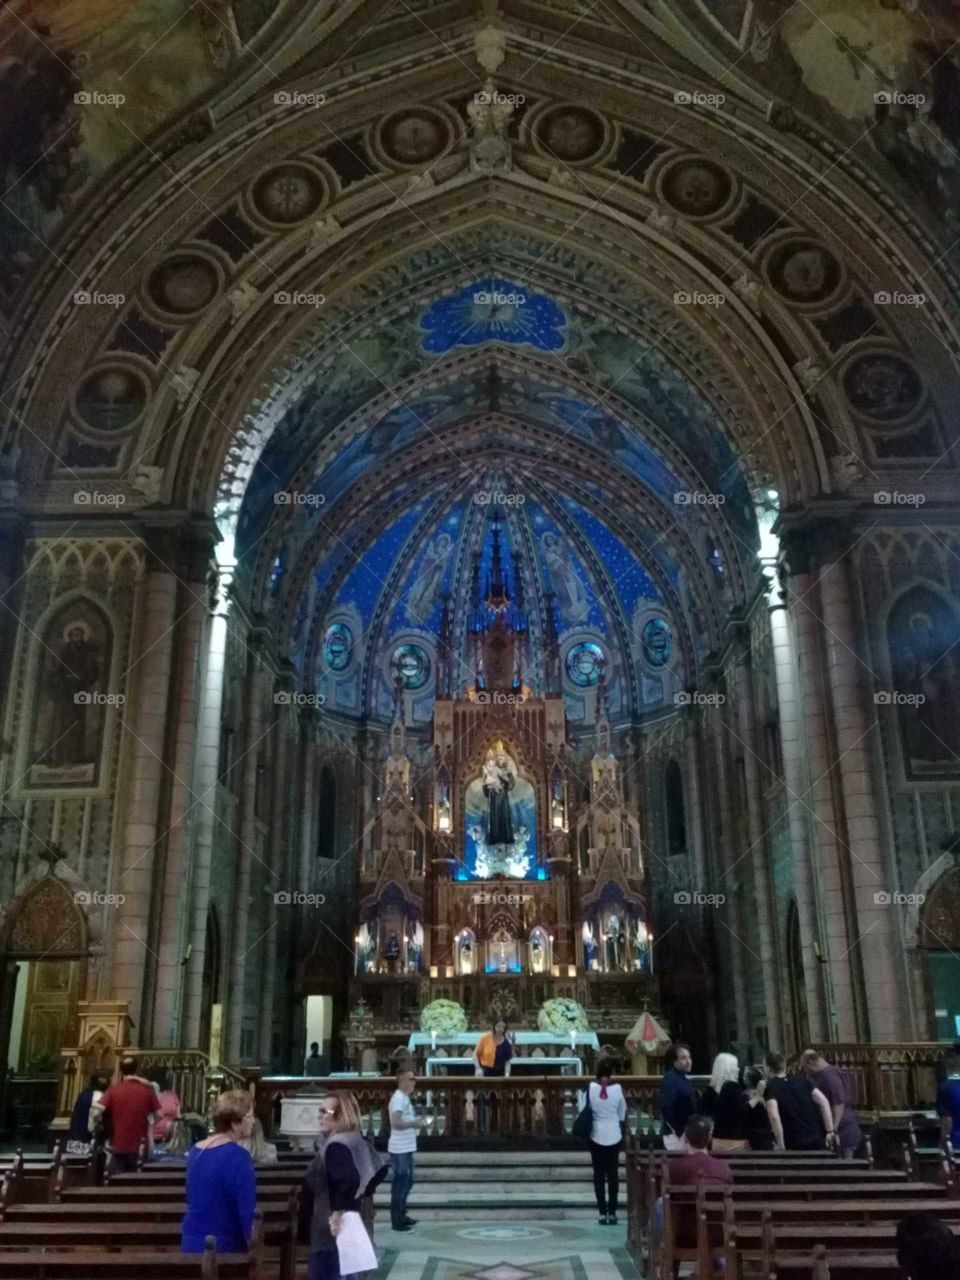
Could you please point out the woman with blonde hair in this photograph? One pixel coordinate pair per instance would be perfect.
(221, 1183)
(262, 1151)
(722, 1101)
(345, 1170)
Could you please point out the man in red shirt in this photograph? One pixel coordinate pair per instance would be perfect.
(684, 1172)
(131, 1105)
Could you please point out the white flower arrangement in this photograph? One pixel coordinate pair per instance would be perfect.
(446, 1017)
(562, 1015)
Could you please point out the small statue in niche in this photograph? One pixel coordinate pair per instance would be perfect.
(391, 952)
(498, 782)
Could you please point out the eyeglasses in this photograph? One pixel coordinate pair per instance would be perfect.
(324, 1111)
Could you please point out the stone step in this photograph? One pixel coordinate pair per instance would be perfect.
(530, 1213)
(457, 1195)
(484, 1159)
(481, 1176)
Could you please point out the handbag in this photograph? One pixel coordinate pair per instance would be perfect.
(583, 1125)
(354, 1247)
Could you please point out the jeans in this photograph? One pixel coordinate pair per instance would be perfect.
(402, 1162)
(324, 1264)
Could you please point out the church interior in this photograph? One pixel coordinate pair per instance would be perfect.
(479, 543)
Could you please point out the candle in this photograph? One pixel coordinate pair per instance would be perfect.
(650, 946)
(573, 1039)
(571, 970)
(433, 1040)
(434, 971)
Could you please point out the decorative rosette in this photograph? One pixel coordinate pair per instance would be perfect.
(446, 1017)
(562, 1015)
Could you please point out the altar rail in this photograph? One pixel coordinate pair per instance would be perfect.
(465, 1106)
(889, 1077)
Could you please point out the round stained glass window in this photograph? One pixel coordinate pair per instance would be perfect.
(411, 664)
(585, 663)
(337, 647)
(657, 642)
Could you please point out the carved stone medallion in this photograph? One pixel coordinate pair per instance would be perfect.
(414, 136)
(288, 193)
(803, 271)
(183, 284)
(882, 386)
(111, 398)
(570, 133)
(697, 188)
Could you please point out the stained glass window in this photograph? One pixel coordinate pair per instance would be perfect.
(338, 647)
(585, 663)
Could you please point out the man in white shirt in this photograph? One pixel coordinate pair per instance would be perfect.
(402, 1147)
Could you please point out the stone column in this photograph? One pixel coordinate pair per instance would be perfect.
(727, 843)
(825, 841)
(208, 760)
(746, 718)
(691, 730)
(798, 786)
(308, 802)
(279, 833)
(240, 942)
(182, 811)
(876, 938)
(143, 745)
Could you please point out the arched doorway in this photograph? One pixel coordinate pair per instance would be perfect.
(939, 936)
(45, 948)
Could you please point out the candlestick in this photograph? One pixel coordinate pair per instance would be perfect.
(433, 1041)
(573, 1039)
(650, 945)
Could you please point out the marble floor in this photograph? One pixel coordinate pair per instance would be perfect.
(508, 1250)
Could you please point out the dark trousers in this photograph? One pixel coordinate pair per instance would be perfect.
(402, 1162)
(123, 1162)
(606, 1175)
(324, 1264)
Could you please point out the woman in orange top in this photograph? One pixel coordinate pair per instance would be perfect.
(494, 1051)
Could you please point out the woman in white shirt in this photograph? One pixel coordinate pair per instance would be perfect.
(608, 1109)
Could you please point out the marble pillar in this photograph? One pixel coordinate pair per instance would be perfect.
(241, 942)
(758, 849)
(279, 817)
(797, 783)
(208, 761)
(877, 937)
(309, 769)
(691, 746)
(143, 746)
(183, 806)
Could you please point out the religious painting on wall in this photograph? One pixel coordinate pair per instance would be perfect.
(501, 821)
(923, 635)
(71, 698)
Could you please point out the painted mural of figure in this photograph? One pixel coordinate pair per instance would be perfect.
(924, 673)
(613, 940)
(538, 954)
(74, 672)
(465, 954)
(498, 782)
(589, 947)
(570, 592)
(426, 589)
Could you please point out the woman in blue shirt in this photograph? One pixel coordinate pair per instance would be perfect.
(221, 1183)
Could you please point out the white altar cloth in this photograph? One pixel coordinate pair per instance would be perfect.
(434, 1064)
(533, 1038)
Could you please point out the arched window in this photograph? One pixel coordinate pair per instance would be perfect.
(327, 813)
(676, 818)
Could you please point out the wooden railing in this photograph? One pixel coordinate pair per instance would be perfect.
(889, 1077)
(464, 1106)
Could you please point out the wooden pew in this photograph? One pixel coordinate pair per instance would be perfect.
(129, 1265)
(54, 1241)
